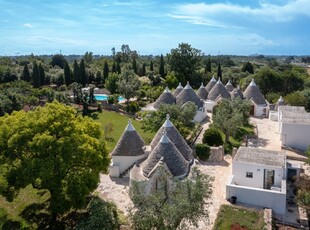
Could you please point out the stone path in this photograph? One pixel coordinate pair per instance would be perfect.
(205, 126)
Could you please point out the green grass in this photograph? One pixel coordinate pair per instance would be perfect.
(119, 122)
(247, 218)
(28, 202)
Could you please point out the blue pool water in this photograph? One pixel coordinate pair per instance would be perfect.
(103, 97)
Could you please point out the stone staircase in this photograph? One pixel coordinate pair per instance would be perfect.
(123, 174)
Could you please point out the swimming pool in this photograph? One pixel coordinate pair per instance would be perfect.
(104, 97)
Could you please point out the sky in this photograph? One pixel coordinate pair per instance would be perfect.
(235, 27)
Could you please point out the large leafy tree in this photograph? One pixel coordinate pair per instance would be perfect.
(177, 207)
(228, 116)
(185, 61)
(268, 81)
(58, 60)
(111, 82)
(128, 85)
(181, 118)
(248, 67)
(53, 148)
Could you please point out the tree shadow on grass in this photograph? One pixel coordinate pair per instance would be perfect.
(37, 214)
(92, 114)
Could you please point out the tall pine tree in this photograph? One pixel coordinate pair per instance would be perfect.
(83, 75)
(36, 82)
(105, 71)
(67, 74)
(26, 75)
(42, 75)
(162, 66)
(76, 72)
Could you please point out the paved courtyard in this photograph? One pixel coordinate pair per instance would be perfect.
(116, 189)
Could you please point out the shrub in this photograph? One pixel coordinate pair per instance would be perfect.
(212, 137)
(228, 147)
(99, 107)
(102, 215)
(62, 88)
(202, 151)
(133, 107)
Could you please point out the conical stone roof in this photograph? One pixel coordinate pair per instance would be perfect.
(236, 93)
(202, 93)
(165, 98)
(130, 143)
(188, 94)
(166, 152)
(176, 138)
(218, 90)
(229, 86)
(253, 92)
(210, 85)
(177, 90)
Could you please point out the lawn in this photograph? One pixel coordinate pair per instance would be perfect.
(229, 216)
(29, 205)
(119, 123)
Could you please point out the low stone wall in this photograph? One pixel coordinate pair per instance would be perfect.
(216, 154)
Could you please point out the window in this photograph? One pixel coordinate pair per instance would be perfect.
(249, 174)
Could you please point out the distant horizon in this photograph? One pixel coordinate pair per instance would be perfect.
(241, 27)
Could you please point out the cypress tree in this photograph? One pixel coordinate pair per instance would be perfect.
(134, 65)
(114, 67)
(219, 70)
(26, 75)
(67, 74)
(162, 66)
(83, 75)
(208, 66)
(105, 71)
(36, 82)
(118, 68)
(151, 66)
(143, 70)
(42, 74)
(76, 72)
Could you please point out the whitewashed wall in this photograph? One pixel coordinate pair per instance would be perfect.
(259, 197)
(200, 115)
(273, 115)
(120, 163)
(259, 110)
(296, 136)
(239, 170)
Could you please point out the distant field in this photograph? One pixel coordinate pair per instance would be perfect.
(233, 217)
(119, 123)
(308, 70)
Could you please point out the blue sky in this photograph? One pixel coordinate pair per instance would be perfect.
(153, 27)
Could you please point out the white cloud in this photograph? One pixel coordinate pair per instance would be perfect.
(196, 20)
(28, 25)
(266, 11)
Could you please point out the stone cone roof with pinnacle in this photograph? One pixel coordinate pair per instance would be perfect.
(202, 93)
(165, 98)
(229, 86)
(188, 94)
(218, 90)
(177, 90)
(176, 138)
(236, 93)
(167, 152)
(210, 84)
(253, 92)
(130, 143)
